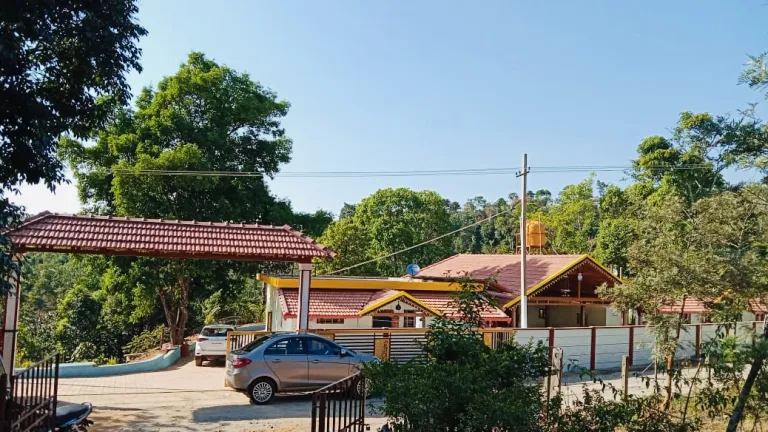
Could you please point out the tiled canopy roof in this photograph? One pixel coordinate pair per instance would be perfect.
(694, 306)
(346, 303)
(110, 235)
(504, 268)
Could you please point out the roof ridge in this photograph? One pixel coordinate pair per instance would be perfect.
(162, 221)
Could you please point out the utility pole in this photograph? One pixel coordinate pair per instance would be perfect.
(523, 204)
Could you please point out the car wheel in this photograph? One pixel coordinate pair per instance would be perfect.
(198, 361)
(361, 387)
(262, 391)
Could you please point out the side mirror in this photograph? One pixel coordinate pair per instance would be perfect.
(344, 353)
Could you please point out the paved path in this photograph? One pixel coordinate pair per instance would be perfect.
(184, 398)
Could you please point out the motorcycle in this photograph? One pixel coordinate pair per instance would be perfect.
(72, 417)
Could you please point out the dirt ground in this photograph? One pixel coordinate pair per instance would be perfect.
(185, 398)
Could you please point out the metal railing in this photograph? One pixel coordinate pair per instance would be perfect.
(30, 403)
(340, 407)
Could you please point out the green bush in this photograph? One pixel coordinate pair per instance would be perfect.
(145, 341)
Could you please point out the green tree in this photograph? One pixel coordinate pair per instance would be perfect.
(350, 241)
(395, 219)
(59, 59)
(697, 252)
(461, 384)
(574, 219)
(206, 117)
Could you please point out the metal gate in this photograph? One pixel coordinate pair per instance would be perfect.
(340, 407)
(29, 404)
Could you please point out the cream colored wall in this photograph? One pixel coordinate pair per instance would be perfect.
(563, 316)
(612, 317)
(566, 316)
(533, 317)
(595, 315)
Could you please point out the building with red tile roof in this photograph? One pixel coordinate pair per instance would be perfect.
(562, 289)
(338, 302)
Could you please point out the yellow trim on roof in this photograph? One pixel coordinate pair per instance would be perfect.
(532, 290)
(360, 284)
(393, 297)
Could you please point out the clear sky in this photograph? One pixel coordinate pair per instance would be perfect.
(398, 85)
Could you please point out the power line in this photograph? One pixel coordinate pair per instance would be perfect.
(423, 243)
(411, 173)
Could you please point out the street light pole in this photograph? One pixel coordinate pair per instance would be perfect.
(523, 204)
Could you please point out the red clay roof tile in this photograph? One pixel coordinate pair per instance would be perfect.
(344, 303)
(505, 268)
(161, 238)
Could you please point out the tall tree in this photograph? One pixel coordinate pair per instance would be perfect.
(58, 59)
(699, 252)
(574, 219)
(388, 221)
(206, 117)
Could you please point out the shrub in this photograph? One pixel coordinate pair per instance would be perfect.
(144, 341)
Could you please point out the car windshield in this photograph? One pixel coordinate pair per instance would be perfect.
(253, 345)
(214, 331)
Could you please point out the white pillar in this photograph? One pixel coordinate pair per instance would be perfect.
(11, 320)
(305, 280)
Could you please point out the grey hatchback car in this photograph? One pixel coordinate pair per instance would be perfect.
(291, 362)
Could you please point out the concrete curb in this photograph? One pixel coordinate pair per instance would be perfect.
(90, 369)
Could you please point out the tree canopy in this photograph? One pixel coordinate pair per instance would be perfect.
(206, 117)
(63, 67)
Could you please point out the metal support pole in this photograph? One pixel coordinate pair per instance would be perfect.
(523, 204)
(11, 318)
(305, 281)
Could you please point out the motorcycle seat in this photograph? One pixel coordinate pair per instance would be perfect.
(69, 412)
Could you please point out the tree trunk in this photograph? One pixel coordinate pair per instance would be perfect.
(741, 402)
(671, 359)
(176, 312)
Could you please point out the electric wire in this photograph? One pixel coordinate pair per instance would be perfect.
(409, 173)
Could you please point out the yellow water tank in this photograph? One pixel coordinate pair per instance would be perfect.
(536, 234)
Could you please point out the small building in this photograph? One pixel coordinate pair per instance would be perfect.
(355, 302)
(561, 293)
(561, 289)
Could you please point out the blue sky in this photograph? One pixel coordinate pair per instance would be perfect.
(450, 85)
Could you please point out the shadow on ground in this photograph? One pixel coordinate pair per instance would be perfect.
(131, 419)
(289, 406)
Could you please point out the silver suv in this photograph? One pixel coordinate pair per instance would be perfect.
(291, 362)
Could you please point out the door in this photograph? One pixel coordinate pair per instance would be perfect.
(326, 365)
(288, 361)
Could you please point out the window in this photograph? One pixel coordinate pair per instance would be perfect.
(321, 347)
(542, 313)
(215, 331)
(288, 346)
(382, 321)
(253, 345)
(330, 320)
(686, 318)
(409, 322)
(759, 317)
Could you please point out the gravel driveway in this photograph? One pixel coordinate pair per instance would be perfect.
(185, 398)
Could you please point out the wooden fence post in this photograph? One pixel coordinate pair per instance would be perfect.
(592, 349)
(551, 344)
(624, 377)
